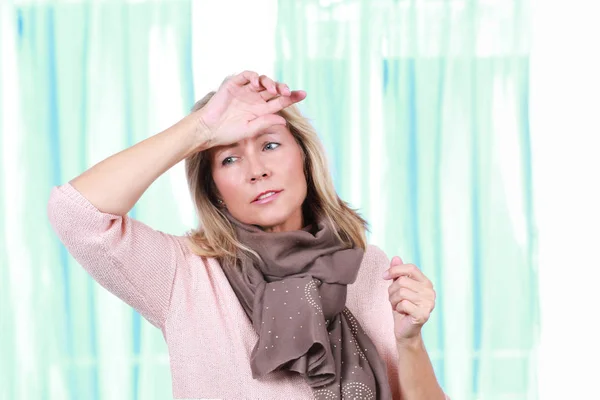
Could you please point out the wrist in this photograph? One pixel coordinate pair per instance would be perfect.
(414, 343)
(200, 134)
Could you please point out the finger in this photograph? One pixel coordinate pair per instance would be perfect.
(265, 121)
(396, 260)
(282, 90)
(407, 307)
(405, 294)
(410, 270)
(417, 315)
(281, 102)
(409, 283)
(266, 95)
(268, 84)
(246, 77)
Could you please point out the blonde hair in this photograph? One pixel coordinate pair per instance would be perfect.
(215, 235)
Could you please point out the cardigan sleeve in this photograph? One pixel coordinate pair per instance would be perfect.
(128, 258)
(378, 320)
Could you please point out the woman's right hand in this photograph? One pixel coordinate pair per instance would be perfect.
(243, 105)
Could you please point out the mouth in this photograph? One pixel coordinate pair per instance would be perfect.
(266, 196)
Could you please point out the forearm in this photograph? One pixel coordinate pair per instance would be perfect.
(115, 184)
(417, 377)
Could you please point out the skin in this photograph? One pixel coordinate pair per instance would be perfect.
(270, 159)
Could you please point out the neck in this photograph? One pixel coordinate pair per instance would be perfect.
(295, 222)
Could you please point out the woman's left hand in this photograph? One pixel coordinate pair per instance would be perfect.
(412, 298)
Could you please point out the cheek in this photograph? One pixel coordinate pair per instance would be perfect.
(227, 183)
(295, 172)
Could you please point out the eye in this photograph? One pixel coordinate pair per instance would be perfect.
(272, 143)
(225, 161)
(229, 160)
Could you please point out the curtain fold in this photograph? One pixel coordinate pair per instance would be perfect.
(91, 79)
(422, 106)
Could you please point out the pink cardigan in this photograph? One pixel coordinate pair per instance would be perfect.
(187, 297)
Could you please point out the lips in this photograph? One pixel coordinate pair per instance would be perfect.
(274, 191)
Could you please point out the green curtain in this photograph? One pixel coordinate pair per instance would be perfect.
(422, 107)
(92, 78)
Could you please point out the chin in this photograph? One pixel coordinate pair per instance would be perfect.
(269, 221)
(271, 217)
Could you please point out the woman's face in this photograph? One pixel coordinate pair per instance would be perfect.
(270, 160)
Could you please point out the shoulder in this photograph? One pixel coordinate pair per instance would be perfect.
(375, 259)
(374, 263)
(190, 257)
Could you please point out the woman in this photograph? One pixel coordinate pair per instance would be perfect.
(277, 295)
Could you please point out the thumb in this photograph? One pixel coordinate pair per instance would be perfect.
(396, 260)
(265, 121)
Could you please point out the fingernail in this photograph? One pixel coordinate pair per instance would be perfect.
(386, 274)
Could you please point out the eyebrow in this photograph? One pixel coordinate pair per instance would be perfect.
(232, 145)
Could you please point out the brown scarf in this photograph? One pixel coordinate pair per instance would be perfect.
(296, 299)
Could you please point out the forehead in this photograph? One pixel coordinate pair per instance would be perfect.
(278, 131)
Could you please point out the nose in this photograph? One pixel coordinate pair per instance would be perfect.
(263, 175)
(258, 170)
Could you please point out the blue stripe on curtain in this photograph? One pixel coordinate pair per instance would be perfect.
(444, 203)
